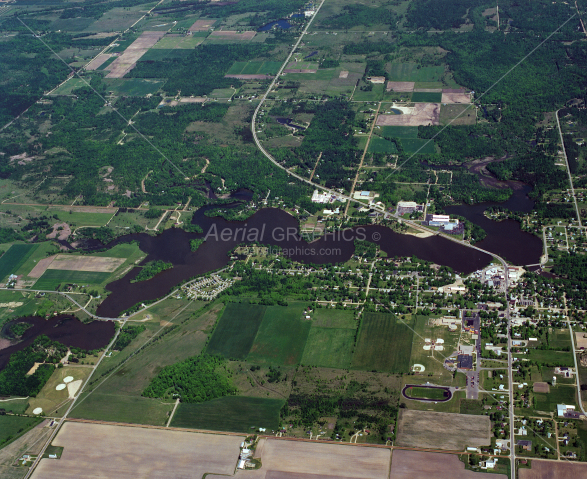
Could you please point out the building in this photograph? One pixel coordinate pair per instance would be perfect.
(376, 79)
(565, 411)
(464, 361)
(524, 444)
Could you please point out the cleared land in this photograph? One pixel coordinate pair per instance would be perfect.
(101, 264)
(424, 465)
(236, 330)
(421, 114)
(203, 24)
(231, 413)
(233, 35)
(581, 340)
(301, 460)
(384, 344)
(281, 337)
(127, 61)
(441, 430)
(541, 388)
(460, 97)
(553, 469)
(121, 452)
(400, 86)
(98, 61)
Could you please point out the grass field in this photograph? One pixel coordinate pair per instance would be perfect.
(398, 131)
(547, 356)
(414, 72)
(14, 258)
(231, 413)
(16, 406)
(236, 330)
(54, 277)
(384, 344)
(159, 54)
(133, 86)
(561, 394)
(329, 347)
(185, 43)
(70, 85)
(381, 145)
(13, 426)
(281, 337)
(412, 145)
(426, 393)
(426, 97)
(254, 68)
(334, 318)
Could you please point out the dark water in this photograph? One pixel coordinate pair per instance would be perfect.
(505, 238)
(283, 24)
(66, 329)
(271, 227)
(288, 122)
(311, 55)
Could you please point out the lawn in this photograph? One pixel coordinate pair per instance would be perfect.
(399, 131)
(381, 145)
(133, 87)
(412, 145)
(334, 318)
(236, 330)
(54, 277)
(550, 357)
(12, 427)
(426, 97)
(329, 347)
(561, 394)
(281, 337)
(416, 73)
(384, 344)
(231, 413)
(14, 258)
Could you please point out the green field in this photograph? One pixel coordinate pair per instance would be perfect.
(54, 277)
(329, 348)
(16, 406)
(281, 337)
(254, 68)
(412, 145)
(67, 88)
(381, 145)
(181, 43)
(399, 131)
(236, 330)
(334, 318)
(555, 358)
(384, 344)
(160, 54)
(414, 72)
(133, 86)
(426, 393)
(426, 97)
(231, 413)
(13, 426)
(561, 394)
(14, 258)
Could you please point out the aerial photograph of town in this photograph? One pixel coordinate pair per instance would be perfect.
(293, 239)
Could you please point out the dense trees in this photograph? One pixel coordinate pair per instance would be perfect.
(127, 334)
(197, 379)
(355, 15)
(151, 269)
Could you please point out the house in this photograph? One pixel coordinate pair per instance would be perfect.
(489, 464)
(524, 444)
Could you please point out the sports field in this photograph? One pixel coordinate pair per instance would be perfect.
(15, 257)
(426, 393)
(254, 68)
(384, 344)
(236, 330)
(329, 347)
(54, 277)
(281, 337)
(230, 413)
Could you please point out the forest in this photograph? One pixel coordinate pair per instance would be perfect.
(197, 379)
(355, 15)
(150, 270)
(127, 334)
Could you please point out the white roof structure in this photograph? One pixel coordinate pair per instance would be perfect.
(440, 341)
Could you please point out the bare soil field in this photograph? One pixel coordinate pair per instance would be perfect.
(127, 61)
(233, 35)
(203, 25)
(461, 97)
(284, 459)
(439, 430)
(343, 74)
(41, 267)
(249, 77)
(581, 340)
(61, 234)
(122, 452)
(86, 263)
(421, 114)
(424, 465)
(98, 61)
(553, 470)
(400, 86)
(541, 388)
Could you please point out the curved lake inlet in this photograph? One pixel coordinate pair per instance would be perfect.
(269, 226)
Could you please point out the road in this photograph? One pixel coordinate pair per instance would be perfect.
(579, 401)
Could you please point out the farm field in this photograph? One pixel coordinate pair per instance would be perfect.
(133, 86)
(54, 277)
(424, 465)
(14, 258)
(561, 394)
(329, 347)
(426, 97)
(334, 318)
(384, 344)
(419, 145)
(281, 337)
(458, 114)
(381, 145)
(254, 68)
(559, 358)
(440, 430)
(67, 88)
(399, 131)
(90, 447)
(289, 459)
(551, 469)
(236, 330)
(169, 42)
(408, 72)
(12, 426)
(230, 413)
